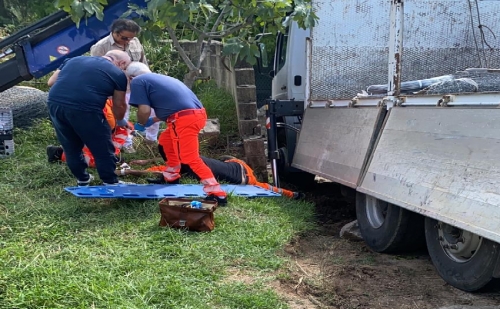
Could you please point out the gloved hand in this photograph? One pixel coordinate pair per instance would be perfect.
(139, 127)
(122, 123)
(149, 123)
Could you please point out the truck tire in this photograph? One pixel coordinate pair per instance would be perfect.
(388, 228)
(463, 259)
(26, 103)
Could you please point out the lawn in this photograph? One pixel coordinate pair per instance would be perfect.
(59, 251)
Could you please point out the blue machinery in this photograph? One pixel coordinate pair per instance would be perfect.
(40, 48)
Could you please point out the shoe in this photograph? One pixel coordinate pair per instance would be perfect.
(221, 200)
(120, 182)
(128, 149)
(298, 196)
(84, 183)
(54, 153)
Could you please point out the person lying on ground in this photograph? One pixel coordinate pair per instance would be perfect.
(228, 169)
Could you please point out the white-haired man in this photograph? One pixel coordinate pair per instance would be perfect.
(76, 100)
(185, 116)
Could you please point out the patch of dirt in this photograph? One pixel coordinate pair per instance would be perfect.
(330, 272)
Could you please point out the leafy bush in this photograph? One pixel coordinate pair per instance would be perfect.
(164, 59)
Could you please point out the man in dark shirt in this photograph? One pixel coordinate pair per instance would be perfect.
(76, 100)
(185, 116)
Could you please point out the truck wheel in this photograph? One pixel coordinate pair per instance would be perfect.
(388, 228)
(463, 259)
(291, 175)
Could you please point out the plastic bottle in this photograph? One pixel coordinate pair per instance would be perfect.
(196, 204)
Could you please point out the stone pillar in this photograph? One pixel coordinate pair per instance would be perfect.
(249, 127)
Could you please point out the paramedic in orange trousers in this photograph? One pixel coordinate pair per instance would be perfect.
(185, 116)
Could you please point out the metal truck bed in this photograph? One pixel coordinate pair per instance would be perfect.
(429, 157)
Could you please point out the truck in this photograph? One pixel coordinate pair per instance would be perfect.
(398, 102)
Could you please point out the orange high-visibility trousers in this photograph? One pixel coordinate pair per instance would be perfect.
(181, 145)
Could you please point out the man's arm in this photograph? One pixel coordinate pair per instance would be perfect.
(53, 78)
(119, 104)
(143, 113)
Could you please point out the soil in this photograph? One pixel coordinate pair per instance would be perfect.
(331, 272)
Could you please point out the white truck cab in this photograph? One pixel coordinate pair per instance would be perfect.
(290, 64)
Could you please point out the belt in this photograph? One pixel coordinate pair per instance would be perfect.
(185, 113)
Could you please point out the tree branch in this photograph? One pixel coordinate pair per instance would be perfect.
(192, 27)
(219, 19)
(204, 52)
(224, 33)
(182, 52)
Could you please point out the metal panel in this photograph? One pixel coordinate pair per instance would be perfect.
(350, 42)
(333, 142)
(443, 163)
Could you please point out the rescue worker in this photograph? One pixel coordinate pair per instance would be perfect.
(80, 88)
(185, 116)
(123, 37)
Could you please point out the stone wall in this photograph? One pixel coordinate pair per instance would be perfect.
(214, 66)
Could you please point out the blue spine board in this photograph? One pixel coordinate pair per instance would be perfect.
(49, 54)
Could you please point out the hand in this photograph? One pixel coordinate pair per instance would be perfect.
(139, 127)
(122, 123)
(150, 122)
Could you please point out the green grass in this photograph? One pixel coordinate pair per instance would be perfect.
(59, 251)
(219, 104)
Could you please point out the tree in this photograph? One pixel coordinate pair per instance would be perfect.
(22, 12)
(235, 23)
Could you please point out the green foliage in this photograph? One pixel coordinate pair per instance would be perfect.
(40, 83)
(235, 23)
(20, 13)
(164, 59)
(59, 251)
(81, 9)
(219, 104)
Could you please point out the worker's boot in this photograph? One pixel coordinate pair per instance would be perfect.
(172, 175)
(214, 192)
(54, 153)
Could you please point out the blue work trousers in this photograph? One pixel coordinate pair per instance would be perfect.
(76, 128)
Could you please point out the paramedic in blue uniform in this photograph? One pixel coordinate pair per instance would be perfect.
(76, 99)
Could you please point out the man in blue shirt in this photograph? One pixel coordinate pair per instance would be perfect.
(185, 116)
(76, 100)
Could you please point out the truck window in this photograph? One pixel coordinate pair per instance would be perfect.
(281, 50)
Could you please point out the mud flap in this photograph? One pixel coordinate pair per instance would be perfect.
(334, 142)
(443, 163)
